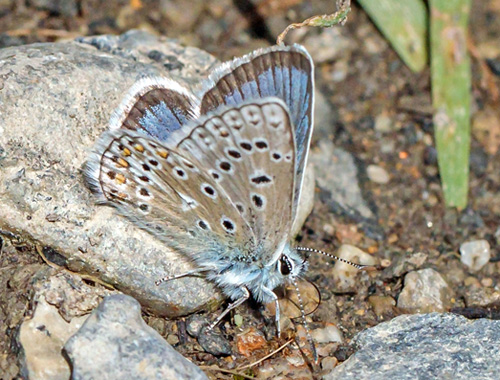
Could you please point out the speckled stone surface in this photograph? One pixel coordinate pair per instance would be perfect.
(115, 343)
(425, 346)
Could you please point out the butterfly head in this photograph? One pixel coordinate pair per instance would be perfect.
(291, 264)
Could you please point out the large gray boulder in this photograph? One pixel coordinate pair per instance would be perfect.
(116, 344)
(55, 100)
(425, 346)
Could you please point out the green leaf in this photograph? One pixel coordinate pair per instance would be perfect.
(404, 24)
(451, 88)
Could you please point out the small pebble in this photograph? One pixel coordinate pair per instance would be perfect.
(481, 297)
(383, 123)
(328, 334)
(172, 339)
(475, 254)
(250, 341)
(471, 281)
(425, 291)
(384, 263)
(344, 274)
(377, 174)
(326, 350)
(329, 229)
(382, 304)
(321, 48)
(328, 364)
(340, 71)
(296, 360)
(487, 282)
(238, 320)
(194, 325)
(213, 342)
(392, 238)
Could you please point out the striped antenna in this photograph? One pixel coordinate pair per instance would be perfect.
(358, 266)
(304, 321)
(303, 315)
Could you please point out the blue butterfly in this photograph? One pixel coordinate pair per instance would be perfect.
(217, 173)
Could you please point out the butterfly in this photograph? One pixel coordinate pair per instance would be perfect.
(217, 173)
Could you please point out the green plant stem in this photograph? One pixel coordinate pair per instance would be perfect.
(451, 86)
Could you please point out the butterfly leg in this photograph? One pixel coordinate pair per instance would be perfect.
(231, 306)
(277, 307)
(192, 272)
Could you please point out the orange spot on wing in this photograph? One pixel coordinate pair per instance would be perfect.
(120, 178)
(123, 163)
(139, 148)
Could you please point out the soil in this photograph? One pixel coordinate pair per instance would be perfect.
(376, 85)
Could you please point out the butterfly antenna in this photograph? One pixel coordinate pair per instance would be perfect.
(358, 266)
(303, 317)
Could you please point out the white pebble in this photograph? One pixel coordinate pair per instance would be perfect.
(328, 334)
(377, 174)
(425, 291)
(475, 254)
(383, 123)
(344, 274)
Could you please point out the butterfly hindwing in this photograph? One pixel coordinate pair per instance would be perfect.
(249, 150)
(283, 72)
(155, 107)
(164, 193)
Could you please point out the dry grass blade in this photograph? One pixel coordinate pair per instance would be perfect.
(323, 21)
(265, 357)
(217, 369)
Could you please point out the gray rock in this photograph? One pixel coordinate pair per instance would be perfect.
(425, 291)
(62, 302)
(70, 294)
(428, 346)
(115, 343)
(195, 323)
(61, 7)
(55, 100)
(214, 342)
(42, 338)
(337, 179)
(325, 118)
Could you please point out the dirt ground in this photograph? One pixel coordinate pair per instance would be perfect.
(375, 86)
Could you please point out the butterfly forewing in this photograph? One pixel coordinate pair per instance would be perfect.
(156, 107)
(249, 151)
(284, 72)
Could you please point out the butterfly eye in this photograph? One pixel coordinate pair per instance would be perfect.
(285, 266)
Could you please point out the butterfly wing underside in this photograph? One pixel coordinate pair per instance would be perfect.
(250, 150)
(155, 107)
(283, 72)
(209, 191)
